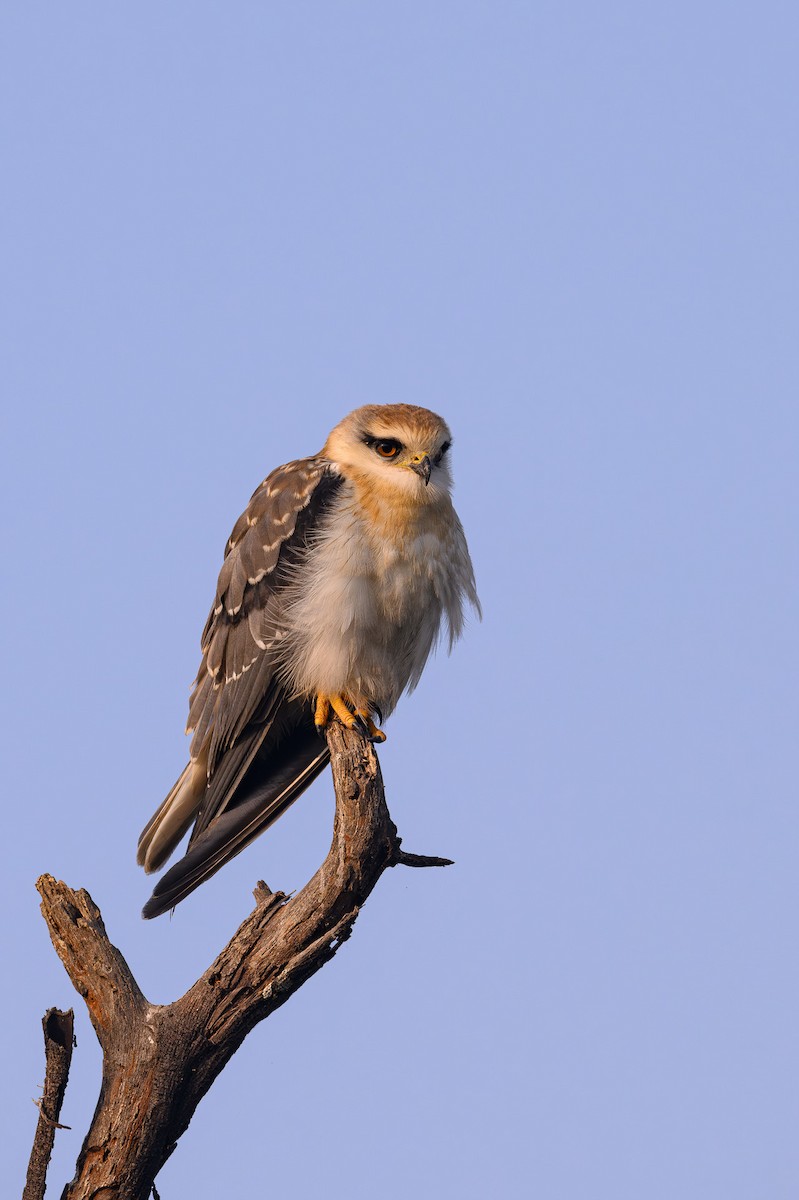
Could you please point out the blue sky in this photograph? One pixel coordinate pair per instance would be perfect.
(571, 229)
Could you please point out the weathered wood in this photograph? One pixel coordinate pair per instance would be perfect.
(160, 1060)
(59, 1037)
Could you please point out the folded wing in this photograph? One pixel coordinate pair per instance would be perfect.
(254, 749)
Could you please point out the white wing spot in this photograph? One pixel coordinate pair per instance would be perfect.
(238, 674)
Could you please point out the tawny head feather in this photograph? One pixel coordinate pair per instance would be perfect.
(396, 447)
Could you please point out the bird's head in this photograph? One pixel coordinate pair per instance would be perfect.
(394, 446)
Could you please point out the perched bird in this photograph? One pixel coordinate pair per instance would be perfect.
(336, 581)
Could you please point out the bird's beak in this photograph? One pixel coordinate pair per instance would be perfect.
(420, 463)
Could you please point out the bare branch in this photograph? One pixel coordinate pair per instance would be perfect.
(403, 859)
(97, 969)
(58, 1030)
(159, 1061)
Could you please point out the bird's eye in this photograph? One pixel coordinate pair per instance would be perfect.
(388, 448)
(442, 452)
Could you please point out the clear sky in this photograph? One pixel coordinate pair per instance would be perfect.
(572, 229)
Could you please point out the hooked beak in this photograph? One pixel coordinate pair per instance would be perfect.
(420, 463)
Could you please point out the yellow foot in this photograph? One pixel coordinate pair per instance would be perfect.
(348, 713)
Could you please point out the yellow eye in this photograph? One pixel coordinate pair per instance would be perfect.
(388, 448)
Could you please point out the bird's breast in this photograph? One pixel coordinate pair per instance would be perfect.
(366, 605)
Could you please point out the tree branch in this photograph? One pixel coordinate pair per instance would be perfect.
(97, 969)
(159, 1061)
(403, 859)
(58, 1030)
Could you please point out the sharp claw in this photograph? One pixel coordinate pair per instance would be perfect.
(328, 705)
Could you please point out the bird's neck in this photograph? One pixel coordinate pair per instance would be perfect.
(397, 514)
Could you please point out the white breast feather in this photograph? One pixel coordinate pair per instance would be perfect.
(364, 612)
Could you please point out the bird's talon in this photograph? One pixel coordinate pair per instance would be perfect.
(321, 713)
(375, 735)
(349, 715)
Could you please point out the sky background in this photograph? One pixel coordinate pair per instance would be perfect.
(572, 229)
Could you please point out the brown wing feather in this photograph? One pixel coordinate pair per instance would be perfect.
(238, 677)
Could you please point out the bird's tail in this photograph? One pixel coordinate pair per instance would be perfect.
(285, 776)
(170, 821)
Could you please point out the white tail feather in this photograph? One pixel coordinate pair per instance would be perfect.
(171, 820)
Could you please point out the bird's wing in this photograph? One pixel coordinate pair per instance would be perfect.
(238, 694)
(241, 639)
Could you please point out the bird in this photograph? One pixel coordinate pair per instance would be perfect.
(337, 582)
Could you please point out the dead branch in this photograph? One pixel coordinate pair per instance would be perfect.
(160, 1060)
(58, 1030)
